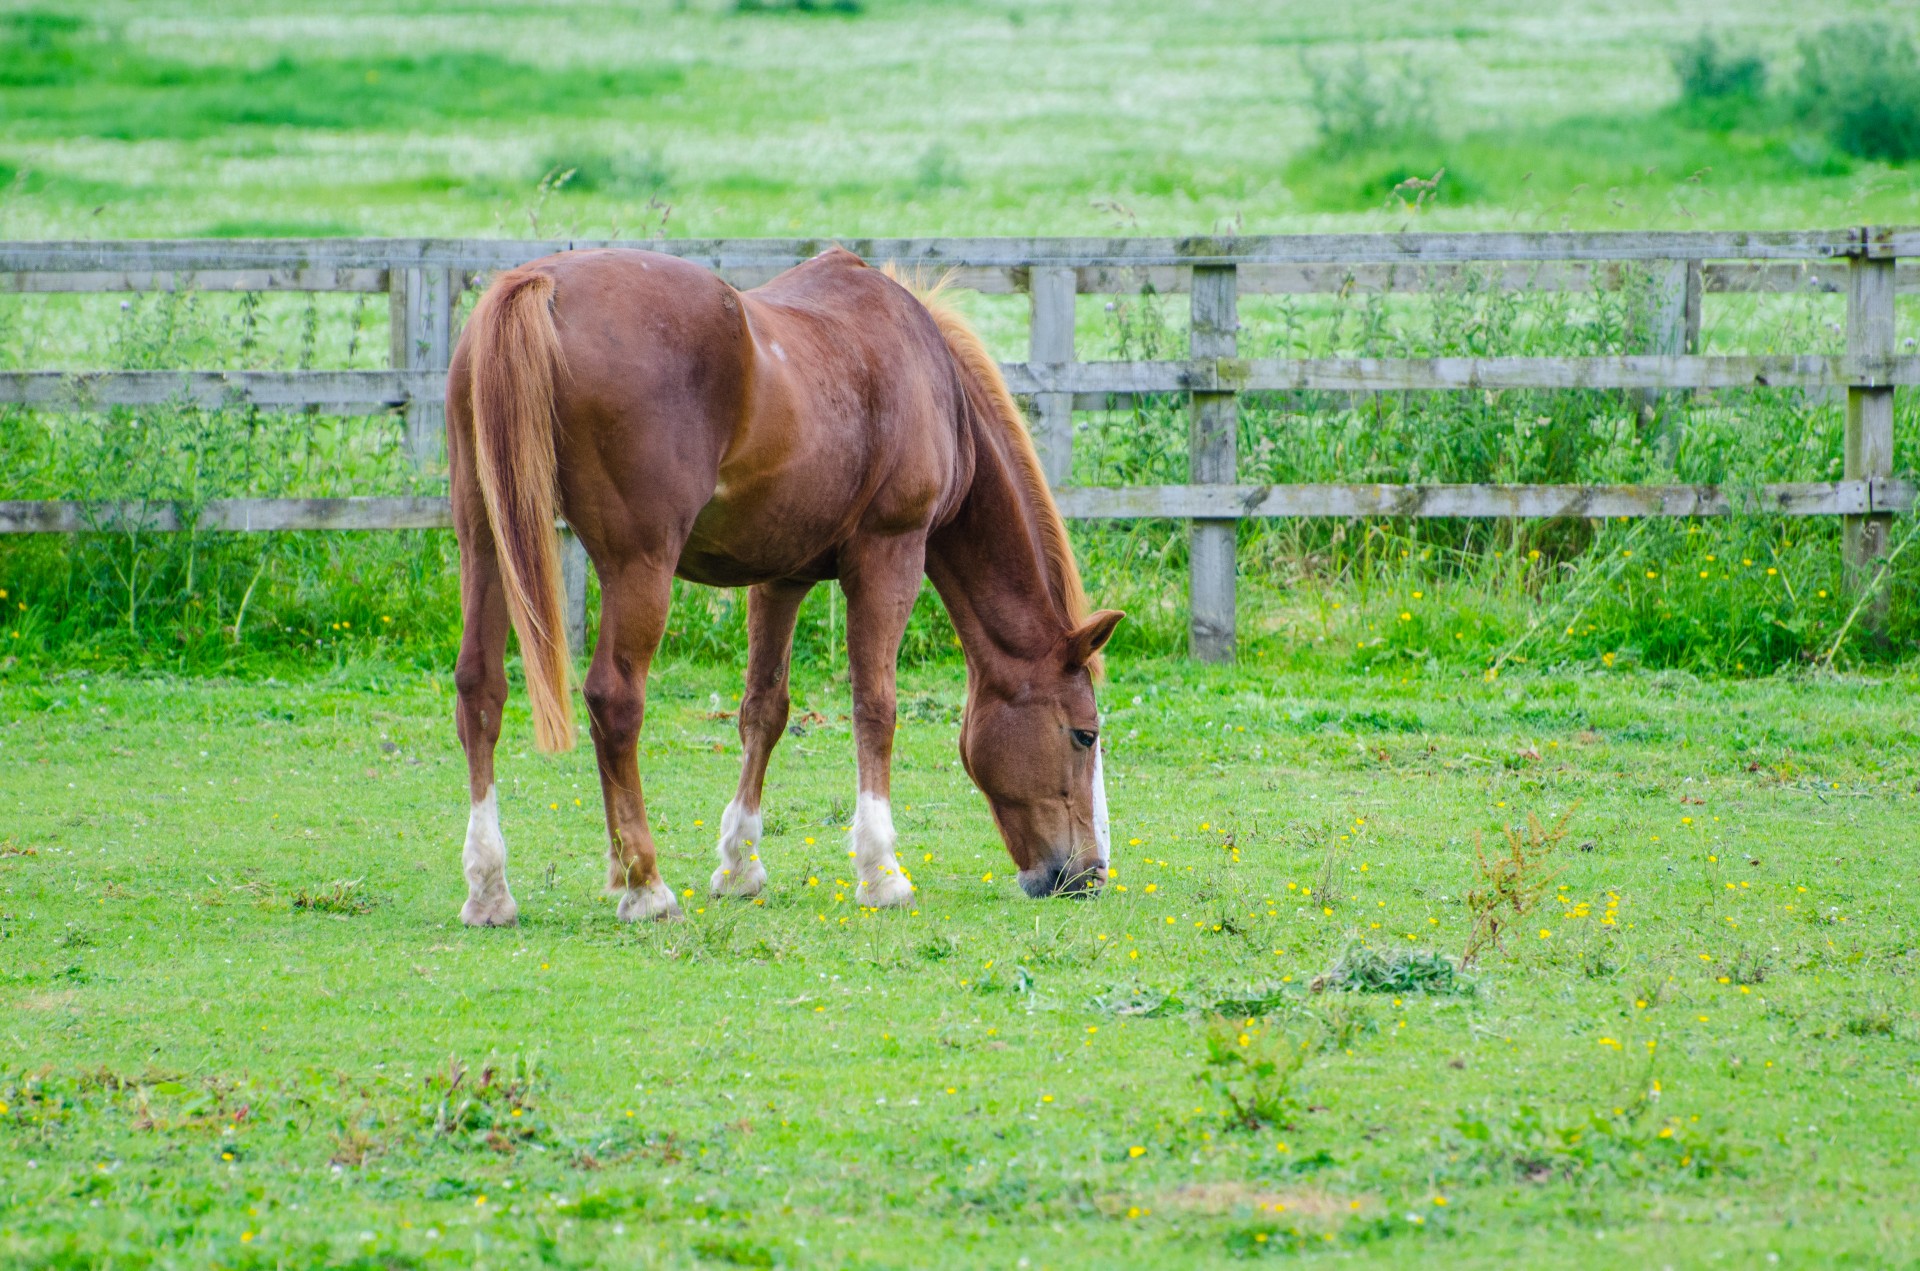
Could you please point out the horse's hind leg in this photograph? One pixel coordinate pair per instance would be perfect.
(633, 617)
(481, 681)
(771, 611)
(881, 580)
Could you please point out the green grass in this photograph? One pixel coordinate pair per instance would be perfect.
(1651, 159)
(237, 995)
(243, 1027)
(74, 82)
(912, 116)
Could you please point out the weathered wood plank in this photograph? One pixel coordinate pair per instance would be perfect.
(1213, 425)
(344, 391)
(1819, 277)
(1892, 494)
(419, 512)
(1671, 297)
(1174, 502)
(324, 278)
(1867, 445)
(1441, 374)
(1050, 343)
(574, 566)
(1303, 249)
(1543, 276)
(1722, 277)
(1476, 501)
(423, 341)
(1093, 383)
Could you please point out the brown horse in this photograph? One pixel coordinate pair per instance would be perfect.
(829, 425)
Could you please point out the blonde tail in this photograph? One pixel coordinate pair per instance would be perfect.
(515, 355)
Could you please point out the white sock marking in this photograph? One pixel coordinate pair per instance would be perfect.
(484, 861)
(485, 855)
(881, 879)
(654, 900)
(740, 830)
(740, 872)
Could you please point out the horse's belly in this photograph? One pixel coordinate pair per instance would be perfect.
(732, 546)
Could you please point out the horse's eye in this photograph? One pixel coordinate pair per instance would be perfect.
(1084, 738)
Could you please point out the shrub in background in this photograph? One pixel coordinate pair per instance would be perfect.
(638, 172)
(1375, 137)
(1859, 83)
(1719, 86)
(1356, 107)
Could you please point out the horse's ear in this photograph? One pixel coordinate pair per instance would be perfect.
(1078, 646)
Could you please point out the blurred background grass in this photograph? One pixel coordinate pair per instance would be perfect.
(924, 116)
(903, 117)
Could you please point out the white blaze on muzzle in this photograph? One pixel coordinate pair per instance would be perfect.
(1100, 808)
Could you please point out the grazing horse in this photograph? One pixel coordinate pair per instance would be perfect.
(831, 424)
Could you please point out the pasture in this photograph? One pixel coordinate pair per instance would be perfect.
(241, 1025)
(903, 117)
(238, 996)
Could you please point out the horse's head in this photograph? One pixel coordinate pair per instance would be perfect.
(1031, 742)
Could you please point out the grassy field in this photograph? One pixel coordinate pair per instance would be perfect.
(167, 117)
(243, 1026)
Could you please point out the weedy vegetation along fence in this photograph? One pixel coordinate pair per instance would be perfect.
(426, 280)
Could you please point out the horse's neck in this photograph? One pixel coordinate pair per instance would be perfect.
(990, 567)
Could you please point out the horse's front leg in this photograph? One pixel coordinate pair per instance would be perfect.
(771, 612)
(882, 580)
(633, 617)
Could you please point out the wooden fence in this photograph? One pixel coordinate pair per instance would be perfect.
(425, 277)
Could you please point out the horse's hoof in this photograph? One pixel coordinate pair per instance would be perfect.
(655, 901)
(745, 880)
(490, 911)
(889, 891)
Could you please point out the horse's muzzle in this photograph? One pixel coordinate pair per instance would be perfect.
(1065, 878)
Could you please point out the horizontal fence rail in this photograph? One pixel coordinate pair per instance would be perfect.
(174, 255)
(424, 279)
(1094, 384)
(348, 392)
(1084, 503)
(1808, 274)
(360, 512)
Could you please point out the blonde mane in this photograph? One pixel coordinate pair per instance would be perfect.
(983, 373)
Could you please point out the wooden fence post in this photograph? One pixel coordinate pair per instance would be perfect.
(573, 578)
(1214, 333)
(1690, 316)
(1673, 328)
(1868, 447)
(420, 304)
(1050, 289)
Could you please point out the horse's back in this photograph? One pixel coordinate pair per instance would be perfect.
(755, 433)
